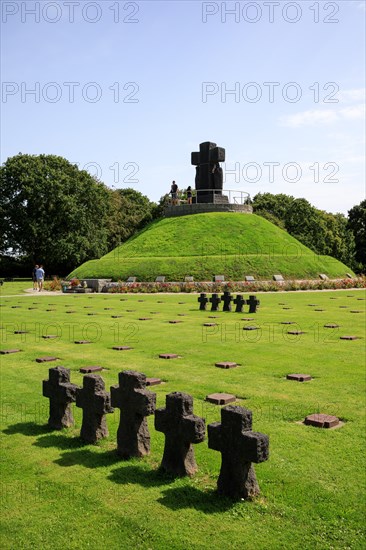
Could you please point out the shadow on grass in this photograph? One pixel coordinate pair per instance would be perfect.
(60, 441)
(88, 458)
(27, 428)
(138, 475)
(208, 502)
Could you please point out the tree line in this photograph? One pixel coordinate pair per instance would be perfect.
(53, 213)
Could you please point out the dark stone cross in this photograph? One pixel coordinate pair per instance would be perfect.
(227, 299)
(253, 303)
(96, 403)
(240, 303)
(202, 301)
(181, 428)
(215, 300)
(209, 177)
(61, 394)
(239, 447)
(135, 403)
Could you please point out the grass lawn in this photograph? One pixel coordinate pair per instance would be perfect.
(58, 493)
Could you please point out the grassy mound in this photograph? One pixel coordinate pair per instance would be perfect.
(206, 244)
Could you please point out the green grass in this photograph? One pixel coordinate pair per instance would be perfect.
(58, 493)
(13, 288)
(207, 244)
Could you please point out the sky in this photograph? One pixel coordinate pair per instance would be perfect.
(127, 90)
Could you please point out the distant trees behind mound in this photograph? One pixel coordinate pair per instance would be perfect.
(324, 233)
(53, 213)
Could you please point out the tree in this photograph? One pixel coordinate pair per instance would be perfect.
(357, 224)
(131, 210)
(52, 212)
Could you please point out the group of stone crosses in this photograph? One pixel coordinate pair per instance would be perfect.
(232, 437)
(226, 299)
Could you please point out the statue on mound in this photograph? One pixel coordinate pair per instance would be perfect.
(209, 176)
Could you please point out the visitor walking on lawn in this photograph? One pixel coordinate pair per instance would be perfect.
(34, 276)
(40, 277)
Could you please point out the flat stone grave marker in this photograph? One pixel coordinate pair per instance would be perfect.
(213, 316)
(249, 278)
(331, 325)
(21, 331)
(153, 381)
(82, 342)
(247, 318)
(87, 370)
(121, 348)
(49, 336)
(226, 364)
(180, 303)
(87, 307)
(7, 351)
(160, 302)
(179, 314)
(130, 310)
(181, 428)
(188, 279)
(287, 322)
(135, 403)
(131, 280)
(312, 305)
(299, 377)
(251, 327)
(168, 356)
(203, 300)
(278, 278)
(323, 276)
(160, 279)
(295, 332)
(61, 394)
(319, 309)
(33, 308)
(108, 308)
(360, 299)
(92, 313)
(220, 398)
(287, 307)
(52, 309)
(349, 337)
(116, 316)
(16, 307)
(140, 300)
(95, 403)
(71, 311)
(343, 307)
(239, 447)
(219, 278)
(321, 420)
(356, 311)
(158, 313)
(46, 359)
(144, 318)
(209, 324)
(175, 321)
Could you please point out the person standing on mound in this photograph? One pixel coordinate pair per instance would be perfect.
(40, 277)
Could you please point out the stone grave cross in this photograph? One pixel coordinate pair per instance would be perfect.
(96, 403)
(61, 394)
(215, 300)
(227, 299)
(181, 428)
(202, 301)
(239, 447)
(253, 304)
(135, 403)
(239, 302)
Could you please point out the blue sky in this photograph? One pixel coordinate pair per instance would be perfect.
(129, 89)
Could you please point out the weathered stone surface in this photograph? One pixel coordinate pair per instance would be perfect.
(321, 420)
(221, 398)
(202, 301)
(135, 403)
(215, 301)
(249, 278)
(226, 364)
(46, 359)
(239, 303)
(181, 428)
(253, 303)
(168, 356)
(96, 403)
(61, 394)
(7, 351)
(278, 278)
(94, 368)
(226, 299)
(299, 377)
(239, 447)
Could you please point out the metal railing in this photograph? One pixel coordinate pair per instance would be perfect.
(224, 196)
